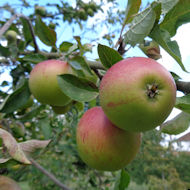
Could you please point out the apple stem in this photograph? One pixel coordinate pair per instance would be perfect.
(152, 90)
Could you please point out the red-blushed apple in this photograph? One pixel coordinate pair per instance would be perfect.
(137, 94)
(43, 82)
(7, 183)
(102, 145)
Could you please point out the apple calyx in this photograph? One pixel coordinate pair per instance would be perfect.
(152, 90)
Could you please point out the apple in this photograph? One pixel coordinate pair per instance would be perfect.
(93, 6)
(90, 12)
(11, 35)
(43, 82)
(137, 94)
(82, 14)
(18, 129)
(102, 145)
(40, 10)
(7, 183)
(27, 124)
(62, 109)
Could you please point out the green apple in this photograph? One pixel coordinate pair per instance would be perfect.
(18, 129)
(40, 10)
(43, 82)
(93, 6)
(82, 14)
(102, 145)
(27, 124)
(90, 12)
(137, 94)
(7, 183)
(11, 35)
(62, 109)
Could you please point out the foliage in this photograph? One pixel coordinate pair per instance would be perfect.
(182, 165)
(156, 165)
(35, 29)
(135, 186)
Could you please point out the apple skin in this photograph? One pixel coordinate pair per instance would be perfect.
(43, 82)
(125, 94)
(102, 145)
(62, 109)
(7, 183)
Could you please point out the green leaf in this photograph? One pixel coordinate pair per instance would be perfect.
(4, 51)
(44, 125)
(13, 50)
(65, 46)
(76, 88)
(123, 181)
(167, 5)
(158, 10)
(162, 37)
(26, 30)
(178, 15)
(34, 58)
(140, 27)
(17, 99)
(82, 69)
(21, 45)
(183, 103)
(177, 125)
(24, 185)
(175, 76)
(45, 34)
(78, 39)
(75, 64)
(73, 48)
(5, 83)
(79, 63)
(35, 112)
(92, 103)
(132, 8)
(108, 56)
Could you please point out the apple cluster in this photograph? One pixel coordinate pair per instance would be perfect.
(136, 94)
(81, 12)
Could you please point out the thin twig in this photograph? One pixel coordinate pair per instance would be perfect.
(10, 21)
(48, 174)
(6, 26)
(32, 31)
(95, 64)
(98, 74)
(56, 55)
(48, 55)
(183, 86)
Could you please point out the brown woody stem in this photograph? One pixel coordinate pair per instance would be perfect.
(49, 175)
(183, 86)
